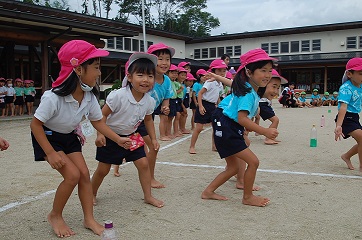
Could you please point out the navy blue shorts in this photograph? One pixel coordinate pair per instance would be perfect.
(186, 100)
(228, 135)
(193, 104)
(173, 107)
(112, 153)
(142, 129)
(179, 105)
(68, 143)
(9, 99)
(266, 111)
(350, 123)
(29, 98)
(207, 117)
(19, 100)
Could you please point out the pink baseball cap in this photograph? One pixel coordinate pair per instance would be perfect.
(173, 67)
(138, 55)
(254, 55)
(181, 69)
(74, 53)
(354, 64)
(201, 72)
(275, 74)
(160, 46)
(28, 81)
(190, 77)
(18, 80)
(229, 75)
(183, 64)
(2, 79)
(218, 63)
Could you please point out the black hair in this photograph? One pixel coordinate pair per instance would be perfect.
(162, 51)
(142, 65)
(239, 87)
(261, 91)
(70, 84)
(224, 56)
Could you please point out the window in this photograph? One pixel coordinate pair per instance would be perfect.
(110, 43)
(284, 47)
(265, 47)
(149, 43)
(205, 53)
(316, 45)
(212, 52)
(351, 42)
(294, 46)
(274, 48)
(360, 41)
(127, 44)
(197, 53)
(135, 45)
(220, 51)
(305, 46)
(119, 43)
(237, 50)
(142, 46)
(229, 51)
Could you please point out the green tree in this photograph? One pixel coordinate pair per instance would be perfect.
(85, 7)
(180, 16)
(107, 6)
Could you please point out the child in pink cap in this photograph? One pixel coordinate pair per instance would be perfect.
(201, 77)
(53, 130)
(29, 92)
(349, 108)
(19, 97)
(233, 116)
(185, 65)
(207, 99)
(187, 84)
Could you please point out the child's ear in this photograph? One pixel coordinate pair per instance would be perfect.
(78, 70)
(349, 74)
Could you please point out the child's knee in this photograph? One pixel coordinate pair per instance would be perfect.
(73, 177)
(102, 169)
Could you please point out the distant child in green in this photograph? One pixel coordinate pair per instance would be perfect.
(29, 92)
(19, 97)
(334, 99)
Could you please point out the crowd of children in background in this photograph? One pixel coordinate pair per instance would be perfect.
(16, 97)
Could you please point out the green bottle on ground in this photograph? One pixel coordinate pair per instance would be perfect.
(313, 137)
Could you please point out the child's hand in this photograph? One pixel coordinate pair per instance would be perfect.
(338, 133)
(165, 110)
(100, 140)
(202, 110)
(3, 144)
(55, 160)
(155, 144)
(271, 133)
(124, 142)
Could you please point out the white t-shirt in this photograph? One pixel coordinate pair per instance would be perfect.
(10, 91)
(127, 113)
(213, 91)
(63, 114)
(3, 89)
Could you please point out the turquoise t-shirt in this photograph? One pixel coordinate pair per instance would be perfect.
(29, 91)
(325, 98)
(162, 91)
(350, 95)
(196, 88)
(233, 104)
(302, 99)
(19, 91)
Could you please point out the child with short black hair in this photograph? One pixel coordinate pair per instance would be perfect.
(3, 91)
(326, 100)
(10, 98)
(334, 99)
(315, 99)
(19, 97)
(200, 74)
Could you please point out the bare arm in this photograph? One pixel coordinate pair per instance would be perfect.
(341, 114)
(244, 121)
(218, 78)
(199, 101)
(150, 127)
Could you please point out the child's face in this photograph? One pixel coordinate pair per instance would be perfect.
(141, 82)
(2, 83)
(172, 75)
(90, 73)
(297, 95)
(27, 85)
(18, 84)
(163, 63)
(202, 78)
(9, 83)
(187, 68)
(303, 95)
(261, 76)
(356, 77)
(272, 88)
(335, 95)
(181, 77)
(220, 71)
(315, 93)
(188, 83)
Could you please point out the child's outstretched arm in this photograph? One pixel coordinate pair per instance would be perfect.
(341, 114)
(199, 101)
(218, 78)
(3, 144)
(244, 121)
(103, 129)
(150, 127)
(54, 159)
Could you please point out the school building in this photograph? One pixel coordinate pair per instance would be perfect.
(31, 35)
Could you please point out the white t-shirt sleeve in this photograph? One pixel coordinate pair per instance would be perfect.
(151, 105)
(113, 100)
(47, 107)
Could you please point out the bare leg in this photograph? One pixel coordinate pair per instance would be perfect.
(240, 176)
(151, 156)
(162, 128)
(357, 135)
(97, 179)
(194, 137)
(145, 180)
(193, 119)
(176, 123)
(116, 170)
(183, 119)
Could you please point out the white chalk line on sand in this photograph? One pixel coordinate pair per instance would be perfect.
(45, 194)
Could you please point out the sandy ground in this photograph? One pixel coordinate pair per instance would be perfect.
(313, 194)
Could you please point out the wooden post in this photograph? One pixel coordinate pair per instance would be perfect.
(325, 78)
(44, 66)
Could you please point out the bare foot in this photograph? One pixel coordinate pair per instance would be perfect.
(192, 150)
(277, 140)
(156, 184)
(165, 138)
(94, 200)
(212, 196)
(154, 202)
(178, 135)
(348, 162)
(185, 131)
(116, 174)
(256, 201)
(268, 141)
(94, 226)
(60, 228)
(170, 136)
(241, 186)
